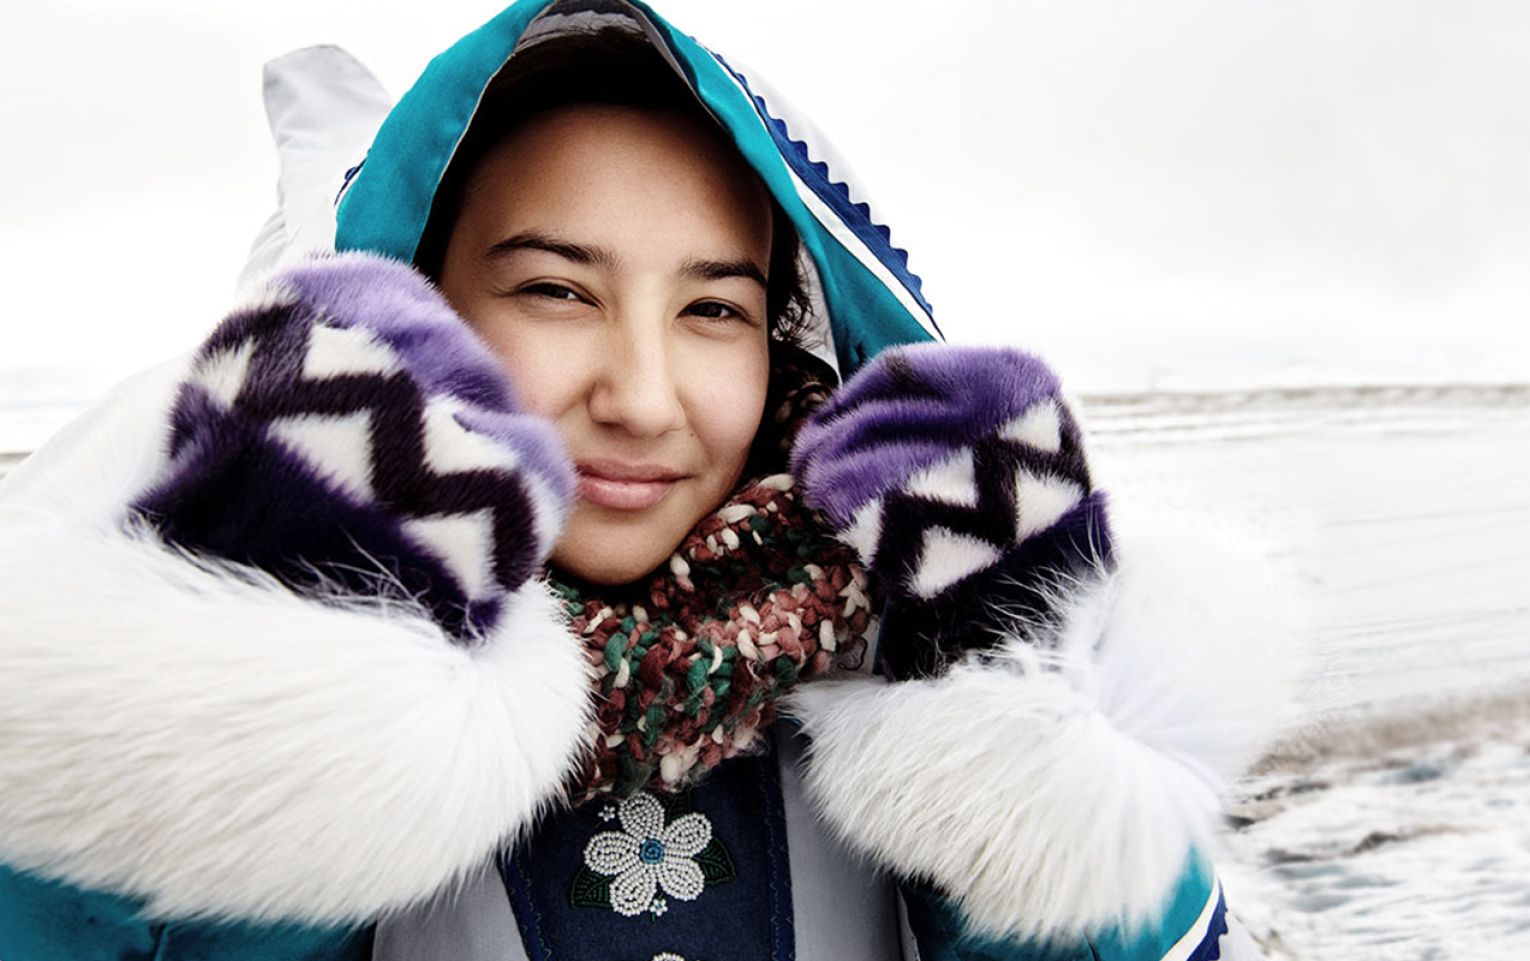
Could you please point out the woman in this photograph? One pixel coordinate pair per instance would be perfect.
(322, 702)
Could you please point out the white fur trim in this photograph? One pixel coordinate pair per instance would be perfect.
(865, 530)
(1039, 427)
(952, 481)
(464, 543)
(223, 374)
(1055, 786)
(1041, 501)
(338, 448)
(341, 351)
(203, 738)
(946, 558)
(451, 448)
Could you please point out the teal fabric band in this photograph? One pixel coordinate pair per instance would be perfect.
(1191, 916)
(42, 920)
(386, 204)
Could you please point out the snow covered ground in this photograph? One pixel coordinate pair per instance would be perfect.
(1403, 837)
(1394, 822)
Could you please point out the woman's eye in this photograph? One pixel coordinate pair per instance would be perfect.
(553, 292)
(712, 310)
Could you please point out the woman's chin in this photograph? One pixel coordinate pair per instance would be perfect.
(605, 545)
(610, 557)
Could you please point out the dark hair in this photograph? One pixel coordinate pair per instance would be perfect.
(610, 65)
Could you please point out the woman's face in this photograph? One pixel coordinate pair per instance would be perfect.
(615, 260)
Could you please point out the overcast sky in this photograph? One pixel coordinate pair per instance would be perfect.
(1161, 192)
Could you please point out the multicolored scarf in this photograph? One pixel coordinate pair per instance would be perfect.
(691, 661)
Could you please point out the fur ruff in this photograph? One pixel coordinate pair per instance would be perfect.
(1055, 785)
(199, 736)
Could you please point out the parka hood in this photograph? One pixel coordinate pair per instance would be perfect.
(853, 272)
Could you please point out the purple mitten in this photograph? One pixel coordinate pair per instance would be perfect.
(348, 434)
(959, 476)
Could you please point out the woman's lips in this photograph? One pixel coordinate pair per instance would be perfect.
(622, 495)
(621, 486)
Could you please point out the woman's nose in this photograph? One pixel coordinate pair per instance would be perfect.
(637, 390)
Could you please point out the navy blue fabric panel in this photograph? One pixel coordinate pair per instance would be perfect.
(565, 898)
(1210, 948)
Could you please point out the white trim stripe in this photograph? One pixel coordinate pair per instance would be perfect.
(836, 227)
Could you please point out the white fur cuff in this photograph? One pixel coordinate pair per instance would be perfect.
(1055, 787)
(199, 736)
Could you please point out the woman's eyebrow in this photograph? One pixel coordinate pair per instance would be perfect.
(722, 269)
(578, 253)
(601, 257)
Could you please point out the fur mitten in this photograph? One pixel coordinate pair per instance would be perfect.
(1047, 768)
(351, 436)
(959, 476)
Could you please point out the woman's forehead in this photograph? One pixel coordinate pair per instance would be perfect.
(628, 179)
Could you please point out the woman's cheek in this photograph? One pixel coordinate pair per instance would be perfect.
(547, 363)
(726, 382)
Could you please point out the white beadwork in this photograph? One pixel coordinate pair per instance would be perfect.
(641, 816)
(647, 856)
(633, 890)
(688, 835)
(611, 853)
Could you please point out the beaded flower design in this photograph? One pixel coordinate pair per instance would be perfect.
(656, 850)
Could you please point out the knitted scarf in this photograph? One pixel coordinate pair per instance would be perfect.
(759, 595)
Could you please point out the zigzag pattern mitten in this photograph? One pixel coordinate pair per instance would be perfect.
(348, 434)
(959, 475)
